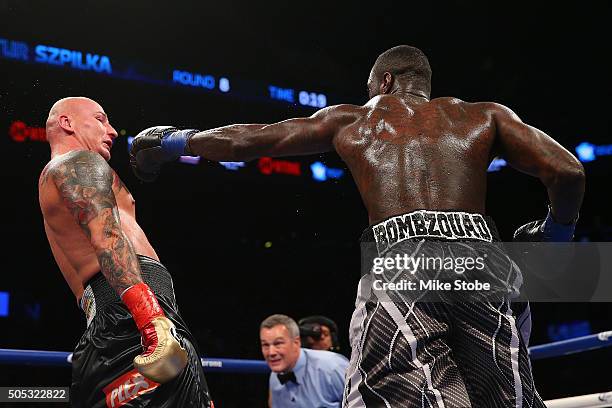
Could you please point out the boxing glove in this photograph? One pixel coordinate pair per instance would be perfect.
(546, 230)
(157, 145)
(163, 358)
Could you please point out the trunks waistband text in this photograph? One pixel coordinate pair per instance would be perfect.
(449, 225)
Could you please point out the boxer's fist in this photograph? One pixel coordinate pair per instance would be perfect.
(157, 145)
(163, 358)
(546, 230)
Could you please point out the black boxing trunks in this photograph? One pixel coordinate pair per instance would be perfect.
(103, 373)
(438, 347)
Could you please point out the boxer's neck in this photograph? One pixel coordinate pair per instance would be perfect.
(410, 94)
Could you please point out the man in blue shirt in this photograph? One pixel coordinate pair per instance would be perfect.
(300, 378)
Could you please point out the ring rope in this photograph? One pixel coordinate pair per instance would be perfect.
(228, 365)
(64, 358)
(571, 346)
(603, 399)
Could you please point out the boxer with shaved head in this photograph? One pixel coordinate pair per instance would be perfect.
(136, 348)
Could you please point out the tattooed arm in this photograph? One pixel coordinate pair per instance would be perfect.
(85, 182)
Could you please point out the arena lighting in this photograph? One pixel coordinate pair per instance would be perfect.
(312, 99)
(20, 132)
(189, 159)
(587, 152)
(103, 64)
(321, 172)
(193, 79)
(224, 85)
(61, 56)
(281, 94)
(267, 166)
(497, 164)
(4, 304)
(196, 80)
(305, 98)
(233, 165)
(45, 54)
(318, 171)
(14, 50)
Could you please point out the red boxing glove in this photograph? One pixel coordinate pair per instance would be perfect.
(142, 304)
(163, 358)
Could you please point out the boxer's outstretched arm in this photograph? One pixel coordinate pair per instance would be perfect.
(291, 137)
(533, 152)
(85, 183)
(161, 144)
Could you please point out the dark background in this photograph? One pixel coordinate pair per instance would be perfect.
(209, 226)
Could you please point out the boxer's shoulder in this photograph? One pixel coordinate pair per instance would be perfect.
(80, 157)
(451, 103)
(337, 119)
(82, 167)
(491, 108)
(450, 100)
(80, 180)
(343, 112)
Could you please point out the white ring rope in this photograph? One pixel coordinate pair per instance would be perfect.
(603, 399)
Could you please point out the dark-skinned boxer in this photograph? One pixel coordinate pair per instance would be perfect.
(416, 162)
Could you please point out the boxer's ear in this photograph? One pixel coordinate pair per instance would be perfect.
(65, 123)
(386, 84)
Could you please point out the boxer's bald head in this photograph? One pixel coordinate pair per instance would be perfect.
(67, 107)
(79, 122)
(401, 67)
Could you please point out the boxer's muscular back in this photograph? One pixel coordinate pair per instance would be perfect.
(70, 246)
(430, 155)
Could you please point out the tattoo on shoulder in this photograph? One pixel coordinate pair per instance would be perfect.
(85, 182)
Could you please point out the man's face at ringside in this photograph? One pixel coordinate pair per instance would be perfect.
(91, 127)
(280, 350)
(324, 342)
